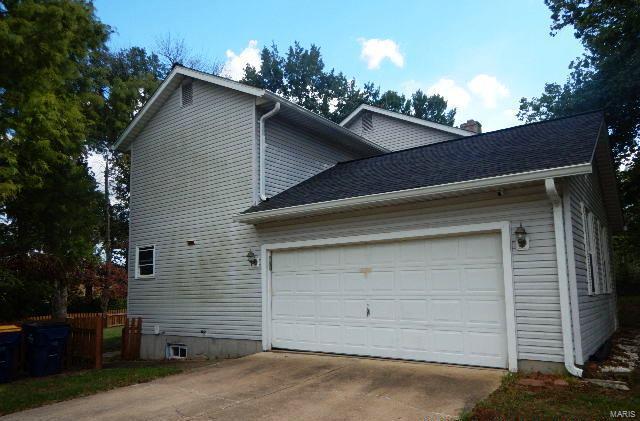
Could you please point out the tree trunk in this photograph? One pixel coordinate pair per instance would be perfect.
(59, 301)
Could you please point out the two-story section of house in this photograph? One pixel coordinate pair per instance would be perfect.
(256, 224)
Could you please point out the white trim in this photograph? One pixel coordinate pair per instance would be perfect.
(573, 280)
(137, 267)
(563, 279)
(403, 117)
(503, 227)
(379, 199)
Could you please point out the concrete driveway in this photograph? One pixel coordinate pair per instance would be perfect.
(289, 386)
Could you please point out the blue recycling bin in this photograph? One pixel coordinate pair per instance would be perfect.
(46, 347)
(10, 337)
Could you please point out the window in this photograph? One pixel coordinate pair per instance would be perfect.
(145, 261)
(176, 351)
(187, 93)
(597, 254)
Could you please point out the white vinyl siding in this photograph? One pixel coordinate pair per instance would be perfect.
(191, 173)
(395, 134)
(596, 304)
(294, 155)
(537, 302)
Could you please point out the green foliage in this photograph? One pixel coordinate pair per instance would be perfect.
(606, 77)
(43, 86)
(301, 77)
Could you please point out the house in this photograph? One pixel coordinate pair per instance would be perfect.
(256, 224)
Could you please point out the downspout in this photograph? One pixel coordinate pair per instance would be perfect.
(263, 147)
(563, 278)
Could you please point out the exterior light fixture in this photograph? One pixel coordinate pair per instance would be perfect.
(252, 258)
(522, 239)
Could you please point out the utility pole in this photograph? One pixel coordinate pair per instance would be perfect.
(104, 299)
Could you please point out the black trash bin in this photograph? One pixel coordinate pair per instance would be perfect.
(46, 347)
(10, 337)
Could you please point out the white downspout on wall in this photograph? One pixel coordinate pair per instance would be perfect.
(263, 147)
(563, 278)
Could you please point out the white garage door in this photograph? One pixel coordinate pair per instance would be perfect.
(432, 299)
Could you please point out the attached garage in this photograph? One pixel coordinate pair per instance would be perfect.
(429, 295)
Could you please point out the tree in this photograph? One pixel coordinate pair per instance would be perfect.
(54, 226)
(125, 81)
(47, 87)
(606, 77)
(175, 51)
(43, 86)
(301, 77)
(432, 108)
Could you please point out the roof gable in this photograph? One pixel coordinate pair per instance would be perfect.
(403, 117)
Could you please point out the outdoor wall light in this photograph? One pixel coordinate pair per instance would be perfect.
(252, 258)
(522, 240)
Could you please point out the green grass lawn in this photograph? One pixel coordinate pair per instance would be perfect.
(578, 400)
(32, 392)
(112, 338)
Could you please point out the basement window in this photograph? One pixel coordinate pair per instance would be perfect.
(187, 93)
(176, 351)
(145, 261)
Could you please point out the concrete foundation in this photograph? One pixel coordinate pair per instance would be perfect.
(544, 367)
(154, 347)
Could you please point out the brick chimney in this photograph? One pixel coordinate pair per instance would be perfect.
(472, 126)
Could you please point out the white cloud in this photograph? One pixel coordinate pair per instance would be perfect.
(455, 94)
(374, 51)
(234, 66)
(488, 89)
(483, 98)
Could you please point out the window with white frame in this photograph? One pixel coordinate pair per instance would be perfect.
(145, 261)
(597, 254)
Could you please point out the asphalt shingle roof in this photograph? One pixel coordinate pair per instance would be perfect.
(537, 146)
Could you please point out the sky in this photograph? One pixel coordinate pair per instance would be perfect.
(482, 56)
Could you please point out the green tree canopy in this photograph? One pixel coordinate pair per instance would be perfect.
(606, 77)
(44, 87)
(301, 77)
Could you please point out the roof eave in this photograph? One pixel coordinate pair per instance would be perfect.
(381, 199)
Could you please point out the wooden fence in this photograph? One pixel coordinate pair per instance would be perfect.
(84, 347)
(131, 335)
(111, 318)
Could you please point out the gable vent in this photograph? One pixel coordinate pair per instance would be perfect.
(367, 121)
(187, 93)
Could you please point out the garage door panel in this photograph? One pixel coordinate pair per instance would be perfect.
(355, 309)
(436, 300)
(445, 280)
(412, 251)
(483, 279)
(448, 311)
(413, 310)
(448, 342)
(328, 282)
(382, 310)
(354, 281)
(488, 313)
(412, 280)
(445, 250)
